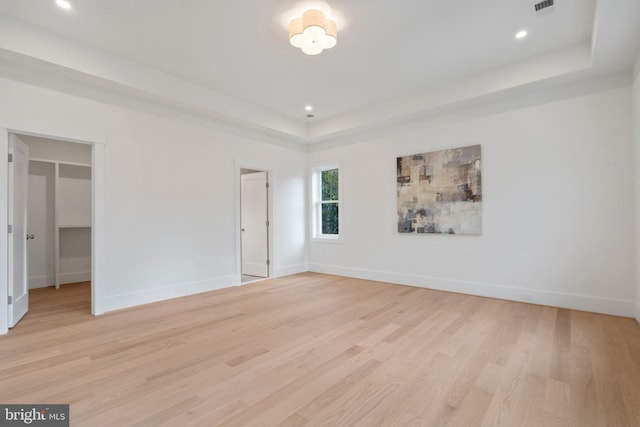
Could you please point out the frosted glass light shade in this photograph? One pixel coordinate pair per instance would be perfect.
(313, 32)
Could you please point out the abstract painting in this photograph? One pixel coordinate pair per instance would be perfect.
(440, 192)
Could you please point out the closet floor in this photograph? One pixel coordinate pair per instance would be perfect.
(63, 306)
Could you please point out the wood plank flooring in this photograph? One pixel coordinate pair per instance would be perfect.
(320, 350)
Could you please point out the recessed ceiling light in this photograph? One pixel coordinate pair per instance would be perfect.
(521, 34)
(308, 108)
(64, 4)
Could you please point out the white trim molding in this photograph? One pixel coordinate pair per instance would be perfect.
(37, 282)
(589, 303)
(4, 222)
(98, 268)
(117, 302)
(289, 270)
(148, 296)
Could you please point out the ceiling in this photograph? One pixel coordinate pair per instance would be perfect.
(231, 60)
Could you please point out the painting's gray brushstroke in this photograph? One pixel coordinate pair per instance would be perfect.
(440, 192)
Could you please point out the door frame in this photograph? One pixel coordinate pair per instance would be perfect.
(240, 164)
(255, 237)
(97, 226)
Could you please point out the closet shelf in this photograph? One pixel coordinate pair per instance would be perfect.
(60, 162)
(75, 226)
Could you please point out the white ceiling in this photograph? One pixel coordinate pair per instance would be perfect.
(231, 60)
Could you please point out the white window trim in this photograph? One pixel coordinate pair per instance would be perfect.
(316, 205)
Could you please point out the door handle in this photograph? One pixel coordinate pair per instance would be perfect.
(30, 237)
(242, 229)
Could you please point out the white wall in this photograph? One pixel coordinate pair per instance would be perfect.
(75, 255)
(73, 196)
(557, 215)
(636, 134)
(557, 206)
(170, 206)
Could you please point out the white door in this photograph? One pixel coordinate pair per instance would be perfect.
(17, 274)
(254, 225)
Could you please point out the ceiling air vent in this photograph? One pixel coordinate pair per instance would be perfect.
(543, 7)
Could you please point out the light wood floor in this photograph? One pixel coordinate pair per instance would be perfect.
(313, 349)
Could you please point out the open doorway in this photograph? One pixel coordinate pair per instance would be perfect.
(254, 224)
(58, 225)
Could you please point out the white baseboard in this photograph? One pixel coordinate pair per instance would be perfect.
(41, 281)
(612, 306)
(81, 276)
(291, 269)
(132, 299)
(45, 281)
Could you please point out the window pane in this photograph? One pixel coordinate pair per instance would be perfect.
(330, 184)
(330, 218)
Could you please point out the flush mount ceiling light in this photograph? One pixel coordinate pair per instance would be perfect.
(521, 34)
(313, 32)
(64, 4)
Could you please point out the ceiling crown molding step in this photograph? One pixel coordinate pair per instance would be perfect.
(103, 68)
(532, 94)
(40, 57)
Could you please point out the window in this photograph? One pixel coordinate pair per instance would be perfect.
(327, 202)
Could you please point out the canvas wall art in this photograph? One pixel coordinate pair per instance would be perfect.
(441, 192)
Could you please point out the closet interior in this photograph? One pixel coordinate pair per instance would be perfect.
(59, 212)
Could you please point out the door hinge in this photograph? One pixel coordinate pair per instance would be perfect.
(268, 262)
(10, 157)
(267, 223)
(10, 299)
(266, 185)
(10, 229)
